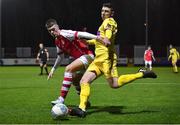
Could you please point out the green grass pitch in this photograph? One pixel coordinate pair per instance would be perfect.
(25, 98)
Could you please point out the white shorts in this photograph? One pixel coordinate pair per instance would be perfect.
(86, 59)
(148, 62)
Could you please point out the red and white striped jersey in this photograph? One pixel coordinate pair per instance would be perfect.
(148, 55)
(68, 42)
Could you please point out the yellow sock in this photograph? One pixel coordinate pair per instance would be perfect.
(84, 95)
(175, 69)
(124, 79)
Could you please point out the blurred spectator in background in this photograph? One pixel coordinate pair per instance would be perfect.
(148, 56)
(42, 58)
(173, 56)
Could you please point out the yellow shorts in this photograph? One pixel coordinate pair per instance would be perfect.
(174, 60)
(107, 67)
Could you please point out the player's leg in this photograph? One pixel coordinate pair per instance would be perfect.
(68, 79)
(150, 65)
(85, 82)
(77, 76)
(146, 64)
(76, 80)
(110, 71)
(124, 79)
(45, 67)
(175, 69)
(92, 73)
(116, 81)
(41, 67)
(78, 64)
(87, 78)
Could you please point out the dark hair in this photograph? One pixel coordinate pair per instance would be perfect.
(50, 23)
(109, 5)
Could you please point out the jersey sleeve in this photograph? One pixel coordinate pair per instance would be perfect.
(69, 34)
(110, 27)
(91, 42)
(85, 35)
(170, 55)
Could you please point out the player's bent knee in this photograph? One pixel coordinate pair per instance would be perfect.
(68, 68)
(83, 80)
(113, 83)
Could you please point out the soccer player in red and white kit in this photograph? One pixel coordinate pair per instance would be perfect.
(148, 56)
(70, 42)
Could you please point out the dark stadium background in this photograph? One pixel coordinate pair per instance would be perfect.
(23, 22)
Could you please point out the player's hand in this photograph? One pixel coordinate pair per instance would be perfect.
(51, 73)
(37, 60)
(105, 40)
(99, 38)
(47, 59)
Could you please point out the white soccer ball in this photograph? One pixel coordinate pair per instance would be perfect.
(59, 110)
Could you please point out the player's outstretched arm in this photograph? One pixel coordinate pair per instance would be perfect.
(145, 56)
(86, 35)
(169, 57)
(57, 62)
(89, 36)
(37, 58)
(153, 57)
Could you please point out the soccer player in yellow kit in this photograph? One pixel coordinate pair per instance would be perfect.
(105, 61)
(174, 56)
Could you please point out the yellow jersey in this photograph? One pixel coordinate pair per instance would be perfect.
(107, 29)
(174, 54)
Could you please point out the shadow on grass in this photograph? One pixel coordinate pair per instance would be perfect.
(116, 110)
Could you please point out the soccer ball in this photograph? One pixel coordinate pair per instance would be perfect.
(59, 110)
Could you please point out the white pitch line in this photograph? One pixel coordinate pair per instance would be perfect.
(140, 83)
(158, 83)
